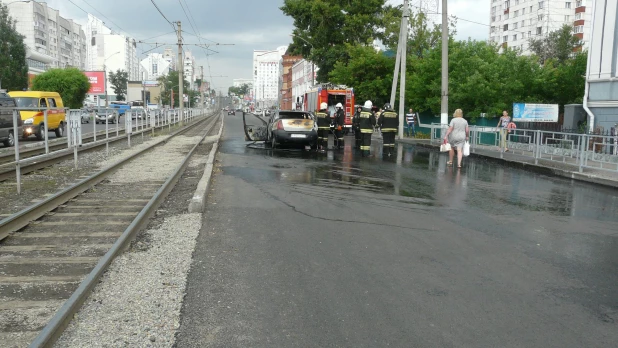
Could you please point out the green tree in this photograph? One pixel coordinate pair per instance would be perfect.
(70, 83)
(119, 81)
(240, 90)
(370, 73)
(13, 66)
(558, 45)
(168, 84)
(323, 27)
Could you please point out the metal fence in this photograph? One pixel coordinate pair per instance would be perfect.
(592, 151)
(136, 121)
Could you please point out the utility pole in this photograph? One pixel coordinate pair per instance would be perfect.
(404, 53)
(181, 78)
(397, 63)
(202, 88)
(444, 105)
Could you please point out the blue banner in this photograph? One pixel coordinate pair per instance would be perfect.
(535, 112)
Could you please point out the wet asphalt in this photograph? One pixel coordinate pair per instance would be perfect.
(300, 249)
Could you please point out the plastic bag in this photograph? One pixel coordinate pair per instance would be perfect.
(466, 149)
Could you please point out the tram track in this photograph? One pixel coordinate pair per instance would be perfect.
(65, 242)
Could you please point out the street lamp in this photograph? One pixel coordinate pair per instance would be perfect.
(105, 72)
(312, 65)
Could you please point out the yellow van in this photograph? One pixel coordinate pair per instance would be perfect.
(34, 120)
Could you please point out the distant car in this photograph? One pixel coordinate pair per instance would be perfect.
(292, 128)
(101, 117)
(85, 116)
(231, 112)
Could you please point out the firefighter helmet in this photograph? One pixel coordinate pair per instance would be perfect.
(387, 106)
(323, 106)
(339, 106)
(368, 104)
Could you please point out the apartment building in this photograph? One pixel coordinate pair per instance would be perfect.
(155, 66)
(303, 78)
(110, 51)
(287, 100)
(52, 41)
(514, 22)
(267, 76)
(189, 69)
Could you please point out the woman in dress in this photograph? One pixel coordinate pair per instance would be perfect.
(456, 135)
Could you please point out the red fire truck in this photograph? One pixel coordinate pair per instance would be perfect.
(332, 95)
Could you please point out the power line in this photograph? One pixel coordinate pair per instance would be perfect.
(158, 9)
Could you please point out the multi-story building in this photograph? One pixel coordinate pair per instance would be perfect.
(52, 41)
(189, 69)
(170, 57)
(240, 82)
(155, 66)
(602, 73)
(111, 52)
(303, 78)
(266, 73)
(514, 22)
(286, 99)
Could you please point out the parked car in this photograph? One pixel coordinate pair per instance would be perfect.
(6, 120)
(292, 127)
(100, 116)
(231, 112)
(34, 120)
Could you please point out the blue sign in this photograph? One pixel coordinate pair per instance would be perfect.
(535, 112)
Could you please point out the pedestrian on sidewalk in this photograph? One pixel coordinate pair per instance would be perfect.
(502, 125)
(511, 127)
(411, 118)
(457, 134)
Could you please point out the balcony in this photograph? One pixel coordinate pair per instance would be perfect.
(506, 10)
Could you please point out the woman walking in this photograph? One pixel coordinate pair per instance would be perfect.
(502, 126)
(456, 135)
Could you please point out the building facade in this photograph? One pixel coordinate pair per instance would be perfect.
(514, 22)
(155, 66)
(189, 69)
(286, 98)
(170, 57)
(266, 76)
(602, 97)
(52, 41)
(303, 78)
(111, 52)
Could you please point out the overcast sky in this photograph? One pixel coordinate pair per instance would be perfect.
(248, 24)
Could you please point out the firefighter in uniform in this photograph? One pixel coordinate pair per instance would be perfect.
(339, 124)
(388, 123)
(323, 126)
(356, 127)
(367, 124)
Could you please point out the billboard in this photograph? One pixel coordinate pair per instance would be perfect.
(535, 112)
(97, 81)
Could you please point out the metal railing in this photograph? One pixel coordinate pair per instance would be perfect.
(71, 124)
(592, 151)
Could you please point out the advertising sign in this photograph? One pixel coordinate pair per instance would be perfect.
(97, 81)
(535, 112)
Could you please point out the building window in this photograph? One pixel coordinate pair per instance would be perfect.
(505, 38)
(578, 16)
(506, 16)
(567, 18)
(506, 27)
(523, 23)
(523, 11)
(514, 25)
(155, 69)
(578, 3)
(516, 2)
(567, 4)
(516, 13)
(515, 37)
(530, 9)
(541, 4)
(529, 34)
(578, 29)
(540, 17)
(539, 30)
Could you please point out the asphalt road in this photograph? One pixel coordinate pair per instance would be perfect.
(335, 250)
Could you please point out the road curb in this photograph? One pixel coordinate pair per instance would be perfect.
(198, 202)
(540, 169)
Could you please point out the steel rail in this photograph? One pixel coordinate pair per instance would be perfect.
(36, 162)
(54, 329)
(22, 218)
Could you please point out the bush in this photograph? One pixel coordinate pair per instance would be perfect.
(70, 83)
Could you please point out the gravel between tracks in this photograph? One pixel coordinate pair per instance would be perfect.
(137, 302)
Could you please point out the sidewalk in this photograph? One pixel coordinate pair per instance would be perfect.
(566, 170)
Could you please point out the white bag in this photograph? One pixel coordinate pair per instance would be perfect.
(445, 147)
(466, 149)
